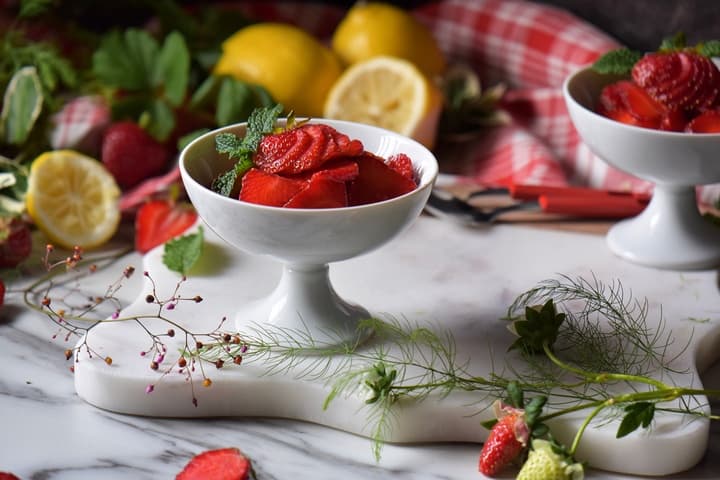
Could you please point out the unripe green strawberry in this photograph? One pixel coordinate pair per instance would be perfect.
(545, 464)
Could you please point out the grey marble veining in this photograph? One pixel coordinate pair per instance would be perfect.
(50, 433)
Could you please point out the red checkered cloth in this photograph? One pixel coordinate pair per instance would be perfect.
(529, 47)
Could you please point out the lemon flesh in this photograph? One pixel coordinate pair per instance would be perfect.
(372, 29)
(390, 93)
(73, 199)
(293, 66)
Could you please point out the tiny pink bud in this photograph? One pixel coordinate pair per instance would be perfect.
(149, 388)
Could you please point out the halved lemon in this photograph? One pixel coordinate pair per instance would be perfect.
(73, 199)
(387, 92)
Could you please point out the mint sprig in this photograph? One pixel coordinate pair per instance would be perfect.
(617, 62)
(260, 123)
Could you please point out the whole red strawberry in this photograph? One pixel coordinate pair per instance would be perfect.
(679, 80)
(221, 464)
(506, 441)
(15, 241)
(131, 154)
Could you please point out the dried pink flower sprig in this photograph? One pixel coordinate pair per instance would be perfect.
(59, 296)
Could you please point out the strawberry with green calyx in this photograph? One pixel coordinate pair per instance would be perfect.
(548, 461)
(506, 442)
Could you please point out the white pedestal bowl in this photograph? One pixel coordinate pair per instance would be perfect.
(306, 241)
(670, 233)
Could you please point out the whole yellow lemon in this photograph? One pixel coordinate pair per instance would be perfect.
(371, 29)
(291, 64)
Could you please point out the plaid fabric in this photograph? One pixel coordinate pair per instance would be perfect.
(529, 47)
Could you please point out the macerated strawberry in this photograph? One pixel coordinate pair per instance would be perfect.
(15, 241)
(131, 154)
(706, 122)
(674, 121)
(320, 192)
(502, 446)
(269, 188)
(339, 169)
(220, 464)
(303, 148)
(158, 221)
(680, 80)
(625, 102)
(402, 164)
(376, 181)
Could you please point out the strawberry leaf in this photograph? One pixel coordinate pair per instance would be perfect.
(21, 106)
(182, 253)
(173, 68)
(618, 62)
(126, 61)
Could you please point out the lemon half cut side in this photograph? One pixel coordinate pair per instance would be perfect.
(73, 199)
(387, 92)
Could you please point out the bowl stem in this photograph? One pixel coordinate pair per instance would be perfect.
(305, 303)
(670, 233)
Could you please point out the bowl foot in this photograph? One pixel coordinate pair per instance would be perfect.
(305, 306)
(669, 234)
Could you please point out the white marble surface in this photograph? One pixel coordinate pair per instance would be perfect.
(51, 433)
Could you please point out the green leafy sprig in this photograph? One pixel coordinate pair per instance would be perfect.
(622, 60)
(261, 122)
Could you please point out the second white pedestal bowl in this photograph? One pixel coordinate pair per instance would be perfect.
(670, 233)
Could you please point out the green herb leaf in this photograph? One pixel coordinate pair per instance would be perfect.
(21, 107)
(618, 62)
(126, 61)
(173, 68)
(539, 328)
(676, 42)
(637, 415)
(710, 48)
(33, 8)
(161, 121)
(180, 254)
(260, 123)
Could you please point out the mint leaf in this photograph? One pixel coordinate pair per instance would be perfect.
(260, 123)
(674, 43)
(180, 254)
(173, 68)
(710, 48)
(618, 62)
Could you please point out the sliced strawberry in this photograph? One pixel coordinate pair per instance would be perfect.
(376, 181)
(339, 169)
(402, 164)
(321, 192)
(158, 221)
(269, 188)
(625, 102)
(221, 464)
(706, 122)
(303, 148)
(674, 121)
(680, 80)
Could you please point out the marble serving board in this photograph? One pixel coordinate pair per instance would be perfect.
(436, 274)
